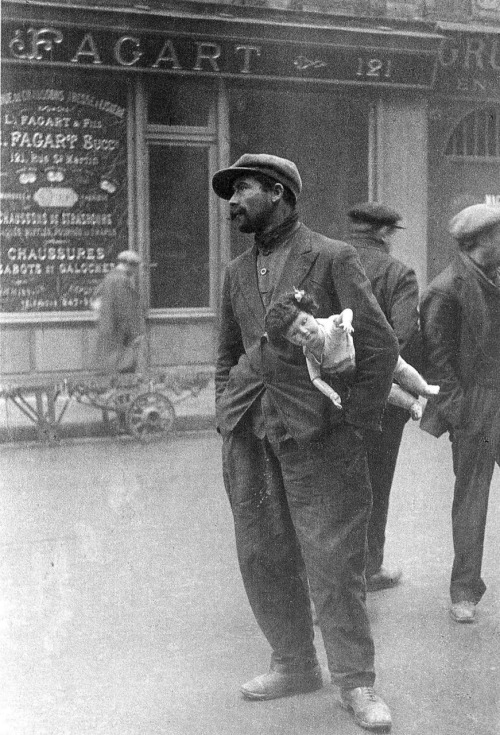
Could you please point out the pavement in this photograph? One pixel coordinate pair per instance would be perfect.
(122, 610)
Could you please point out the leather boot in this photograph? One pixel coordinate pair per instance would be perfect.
(283, 683)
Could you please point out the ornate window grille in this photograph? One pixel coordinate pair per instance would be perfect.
(477, 136)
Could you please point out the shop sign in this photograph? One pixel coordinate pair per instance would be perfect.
(469, 64)
(64, 196)
(51, 45)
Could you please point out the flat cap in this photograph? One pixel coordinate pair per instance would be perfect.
(472, 220)
(128, 256)
(376, 214)
(279, 169)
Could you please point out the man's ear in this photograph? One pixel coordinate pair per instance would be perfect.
(278, 191)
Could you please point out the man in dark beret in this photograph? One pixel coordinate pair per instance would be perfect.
(460, 315)
(294, 465)
(395, 287)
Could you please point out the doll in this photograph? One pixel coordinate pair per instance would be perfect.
(329, 350)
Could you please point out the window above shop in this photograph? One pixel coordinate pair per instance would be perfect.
(179, 102)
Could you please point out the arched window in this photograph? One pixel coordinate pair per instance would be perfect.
(477, 136)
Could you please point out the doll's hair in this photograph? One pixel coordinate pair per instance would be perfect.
(284, 312)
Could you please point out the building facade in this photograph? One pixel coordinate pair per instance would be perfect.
(115, 117)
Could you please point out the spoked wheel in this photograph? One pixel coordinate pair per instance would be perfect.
(120, 402)
(149, 416)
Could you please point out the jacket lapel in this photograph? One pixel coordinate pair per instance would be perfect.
(247, 276)
(298, 264)
(472, 286)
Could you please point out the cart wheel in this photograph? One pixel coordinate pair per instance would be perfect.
(150, 415)
(119, 402)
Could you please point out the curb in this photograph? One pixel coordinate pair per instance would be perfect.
(97, 429)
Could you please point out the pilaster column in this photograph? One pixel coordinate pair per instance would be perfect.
(398, 173)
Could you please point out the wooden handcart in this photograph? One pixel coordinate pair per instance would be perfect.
(140, 405)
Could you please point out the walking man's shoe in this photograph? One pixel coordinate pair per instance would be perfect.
(276, 684)
(369, 710)
(463, 612)
(383, 579)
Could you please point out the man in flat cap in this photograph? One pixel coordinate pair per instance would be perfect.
(120, 325)
(294, 465)
(395, 287)
(460, 316)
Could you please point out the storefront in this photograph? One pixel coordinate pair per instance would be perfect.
(113, 124)
(464, 131)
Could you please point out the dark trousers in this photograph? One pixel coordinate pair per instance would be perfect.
(300, 513)
(473, 464)
(382, 451)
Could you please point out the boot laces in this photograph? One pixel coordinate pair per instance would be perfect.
(369, 692)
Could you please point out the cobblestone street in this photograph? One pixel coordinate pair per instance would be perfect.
(123, 611)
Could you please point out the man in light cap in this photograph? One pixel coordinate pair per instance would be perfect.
(395, 287)
(294, 465)
(460, 316)
(120, 326)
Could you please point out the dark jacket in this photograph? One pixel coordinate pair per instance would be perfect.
(460, 317)
(395, 287)
(247, 364)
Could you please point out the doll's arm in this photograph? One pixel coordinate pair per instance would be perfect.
(400, 397)
(345, 320)
(328, 391)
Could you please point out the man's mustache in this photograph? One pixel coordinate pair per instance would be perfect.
(235, 212)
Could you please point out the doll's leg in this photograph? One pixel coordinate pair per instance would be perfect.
(410, 379)
(403, 399)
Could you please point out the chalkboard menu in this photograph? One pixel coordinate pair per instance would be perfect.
(63, 194)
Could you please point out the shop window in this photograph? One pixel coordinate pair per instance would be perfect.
(477, 136)
(179, 102)
(179, 226)
(65, 189)
(182, 143)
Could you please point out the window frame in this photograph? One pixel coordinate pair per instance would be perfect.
(210, 137)
(201, 143)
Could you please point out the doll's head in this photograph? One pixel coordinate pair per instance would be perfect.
(291, 318)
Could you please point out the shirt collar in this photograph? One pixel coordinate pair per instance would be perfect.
(364, 238)
(272, 240)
